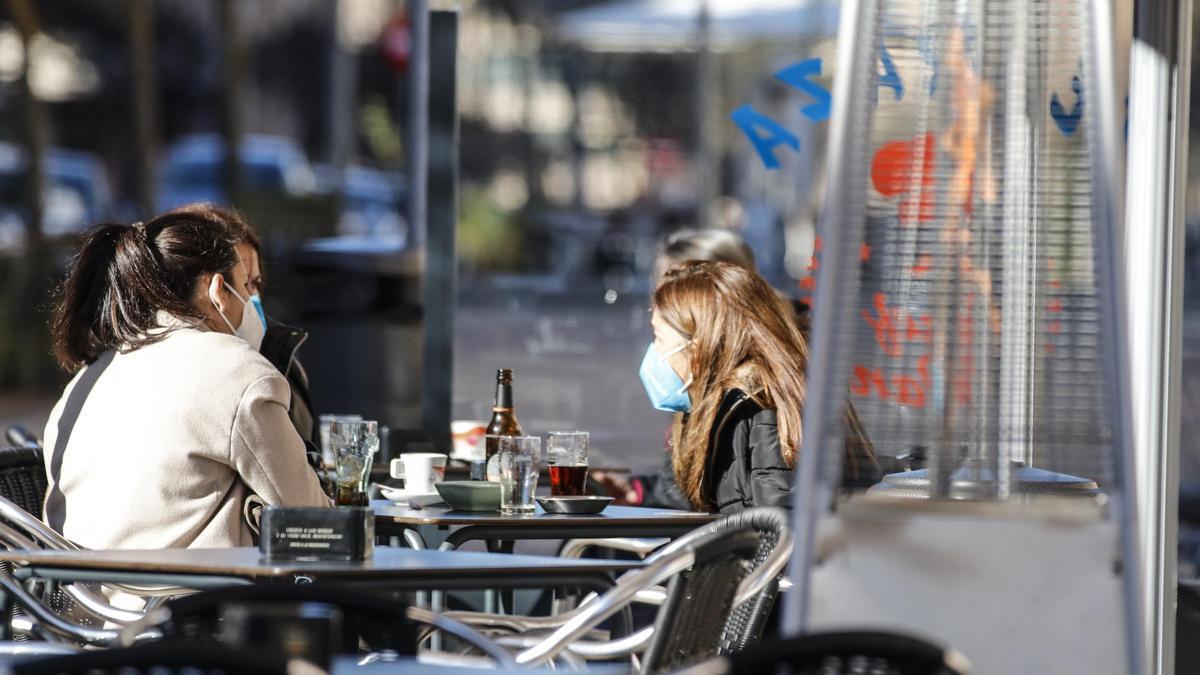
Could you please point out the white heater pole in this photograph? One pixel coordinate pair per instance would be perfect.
(1160, 60)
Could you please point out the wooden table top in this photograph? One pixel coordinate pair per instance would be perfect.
(613, 515)
(247, 562)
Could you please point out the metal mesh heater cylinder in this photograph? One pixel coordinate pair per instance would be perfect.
(966, 306)
(966, 298)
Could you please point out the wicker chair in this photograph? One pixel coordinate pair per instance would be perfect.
(23, 478)
(733, 564)
(840, 653)
(23, 483)
(687, 630)
(78, 605)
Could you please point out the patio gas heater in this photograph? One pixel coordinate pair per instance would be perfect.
(967, 304)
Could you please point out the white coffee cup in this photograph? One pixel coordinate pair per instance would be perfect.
(420, 470)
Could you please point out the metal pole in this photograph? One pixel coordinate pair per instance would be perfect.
(1020, 257)
(232, 65)
(418, 118)
(343, 86)
(36, 132)
(704, 93)
(1160, 62)
(811, 493)
(438, 285)
(140, 17)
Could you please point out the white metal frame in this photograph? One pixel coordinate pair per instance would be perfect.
(1156, 156)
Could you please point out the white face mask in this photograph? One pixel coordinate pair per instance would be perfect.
(252, 328)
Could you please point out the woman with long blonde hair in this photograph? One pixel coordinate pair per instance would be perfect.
(729, 358)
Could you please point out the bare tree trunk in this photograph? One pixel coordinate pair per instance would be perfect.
(36, 132)
(23, 344)
(233, 65)
(140, 14)
(529, 68)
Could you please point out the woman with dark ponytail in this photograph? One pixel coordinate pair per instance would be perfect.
(173, 418)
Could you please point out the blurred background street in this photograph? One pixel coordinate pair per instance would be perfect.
(589, 130)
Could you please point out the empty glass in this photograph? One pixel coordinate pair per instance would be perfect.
(328, 457)
(354, 443)
(567, 458)
(518, 460)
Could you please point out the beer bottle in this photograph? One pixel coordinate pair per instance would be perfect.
(504, 421)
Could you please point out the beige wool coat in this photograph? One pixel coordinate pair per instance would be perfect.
(159, 447)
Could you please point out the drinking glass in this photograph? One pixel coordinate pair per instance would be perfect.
(518, 460)
(328, 457)
(567, 457)
(354, 443)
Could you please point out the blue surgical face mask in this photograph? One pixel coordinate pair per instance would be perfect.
(665, 389)
(250, 330)
(257, 302)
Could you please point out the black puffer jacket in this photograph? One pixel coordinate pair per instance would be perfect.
(745, 464)
(280, 345)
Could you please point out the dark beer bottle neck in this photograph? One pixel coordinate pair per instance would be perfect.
(504, 397)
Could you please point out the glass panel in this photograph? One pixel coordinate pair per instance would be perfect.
(590, 132)
(607, 128)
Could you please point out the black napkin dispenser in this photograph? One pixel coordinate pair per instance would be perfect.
(313, 533)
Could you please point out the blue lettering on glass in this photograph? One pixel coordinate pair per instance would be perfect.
(889, 77)
(1068, 121)
(929, 55)
(970, 45)
(799, 75)
(750, 121)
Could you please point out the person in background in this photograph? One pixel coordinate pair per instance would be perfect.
(173, 419)
(729, 359)
(709, 244)
(712, 244)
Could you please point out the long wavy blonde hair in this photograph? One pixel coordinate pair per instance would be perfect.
(744, 336)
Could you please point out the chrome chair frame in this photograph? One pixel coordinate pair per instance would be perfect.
(40, 535)
(541, 639)
(20, 530)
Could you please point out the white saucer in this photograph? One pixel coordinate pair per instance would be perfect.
(404, 497)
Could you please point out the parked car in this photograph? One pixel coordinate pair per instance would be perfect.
(77, 193)
(372, 202)
(193, 167)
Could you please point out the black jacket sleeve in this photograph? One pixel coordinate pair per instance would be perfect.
(770, 477)
(664, 492)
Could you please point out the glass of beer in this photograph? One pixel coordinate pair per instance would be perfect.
(567, 458)
(354, 443)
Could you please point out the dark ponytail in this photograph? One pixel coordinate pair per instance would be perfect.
(125, 274)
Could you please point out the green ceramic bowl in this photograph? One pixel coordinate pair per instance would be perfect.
(470, 495)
